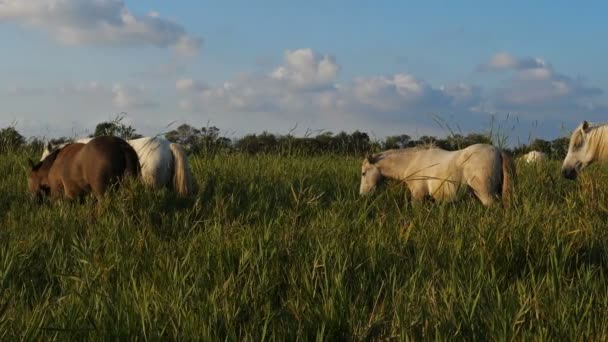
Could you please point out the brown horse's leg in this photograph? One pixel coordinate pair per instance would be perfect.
(71, 190)
(99, 188)
(56, 192)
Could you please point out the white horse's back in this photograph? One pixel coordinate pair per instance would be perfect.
(441, 174)
(444, 171)
(155, 160)
(535, 156)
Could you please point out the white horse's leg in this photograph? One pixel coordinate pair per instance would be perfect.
(419, 191)
(486, 198)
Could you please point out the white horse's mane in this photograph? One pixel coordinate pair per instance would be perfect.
(398, 151)
(597, 124)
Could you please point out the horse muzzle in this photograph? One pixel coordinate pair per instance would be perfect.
(569, 173)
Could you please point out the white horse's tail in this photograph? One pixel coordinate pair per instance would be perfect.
(508, 175)
(184, 182)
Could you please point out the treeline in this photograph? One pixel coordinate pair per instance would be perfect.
(209, 140)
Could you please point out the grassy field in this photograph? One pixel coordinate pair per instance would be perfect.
(284, 248)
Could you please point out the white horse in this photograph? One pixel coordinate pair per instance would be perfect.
(162, 163)
(534, 157)
(588, 143)
(431, 171)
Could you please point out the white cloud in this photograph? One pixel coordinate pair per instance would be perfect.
(305, 89)
(188, 46)
(69, 108)
(120, 96)
(501, 61)
(537, 88)
(506, 61)
(304, 68)
(391, 93)
(188, 84)
(105, 22)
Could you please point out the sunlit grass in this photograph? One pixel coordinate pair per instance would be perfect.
(283, 247)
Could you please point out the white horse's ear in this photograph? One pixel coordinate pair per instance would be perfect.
(585, 126)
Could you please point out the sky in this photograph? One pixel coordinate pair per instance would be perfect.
(524, 69)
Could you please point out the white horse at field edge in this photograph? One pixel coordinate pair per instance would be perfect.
(431, 171)
(588, 143)
(162, 163)
(534, 156)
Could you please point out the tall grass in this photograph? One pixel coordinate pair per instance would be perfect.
(284, 248)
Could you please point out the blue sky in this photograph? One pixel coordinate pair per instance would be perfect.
(385, 67)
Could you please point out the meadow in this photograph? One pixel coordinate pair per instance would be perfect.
(284, 248)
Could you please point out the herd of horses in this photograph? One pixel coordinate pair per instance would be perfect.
(72, 170)
(92, 165)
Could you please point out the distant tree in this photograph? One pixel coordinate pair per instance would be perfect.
(324, 141)
(116, 128)
(211, 142)
(427, 139)
(35, 144)
(10, 139)
(359, 143)
(254, 143)
(541, 145)
(559, 147)
(59, 141)
(455, 142)
(267, 142)
(476, 138)
(205, 140)
(186, 136)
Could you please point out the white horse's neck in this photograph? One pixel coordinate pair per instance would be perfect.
(597, 140)
(393, 164)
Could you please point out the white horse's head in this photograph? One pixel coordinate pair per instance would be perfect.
(370, 175)
(580, 152)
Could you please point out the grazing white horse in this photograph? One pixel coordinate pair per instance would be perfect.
(588, 143)
(431, 171)
(162, 163)
(534, 156)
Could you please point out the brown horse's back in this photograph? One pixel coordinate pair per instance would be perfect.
(78, 169)
(105, 160)
(63, 175)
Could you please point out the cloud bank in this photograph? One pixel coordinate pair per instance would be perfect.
(99, 22)
(535, 87)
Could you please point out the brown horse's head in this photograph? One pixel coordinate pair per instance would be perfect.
(37, 180)
(38, 177)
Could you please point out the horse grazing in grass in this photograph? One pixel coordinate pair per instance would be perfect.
(77, 169)
(534, 157)
(162, 163)
(588, 143)
(431, 171)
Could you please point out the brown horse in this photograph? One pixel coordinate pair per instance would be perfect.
(78, 169)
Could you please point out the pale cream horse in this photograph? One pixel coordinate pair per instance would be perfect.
(163, 163)
(431, 171)
(588, 143)
(534, 157)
